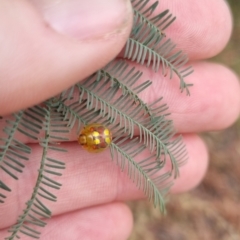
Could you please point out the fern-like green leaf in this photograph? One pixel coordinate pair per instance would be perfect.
(142, 172)
(109, 97)
(36, 209)
(148, 46)
(14, 152)
(127, 113)
(142, 17)
(144, 143)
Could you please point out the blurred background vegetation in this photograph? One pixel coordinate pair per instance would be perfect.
(211, 211)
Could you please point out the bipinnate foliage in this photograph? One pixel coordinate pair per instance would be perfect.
(144, 143)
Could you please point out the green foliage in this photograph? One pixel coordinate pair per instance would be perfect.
(148, 45)
(36, 209)
(144, 141)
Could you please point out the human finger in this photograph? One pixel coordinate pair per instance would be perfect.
(202, 28)
(93, 179)
(48, 46)
(214, 102)
(104, 222)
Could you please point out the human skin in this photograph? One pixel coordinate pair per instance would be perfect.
(42, 44)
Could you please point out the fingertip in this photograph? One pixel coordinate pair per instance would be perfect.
(103, 222)
(214, 103)
(202, 28)
(38, 62)
(192, 173)
(232, 104)
(124, 223)
(222, 104)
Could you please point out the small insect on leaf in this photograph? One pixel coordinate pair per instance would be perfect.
(95, 138)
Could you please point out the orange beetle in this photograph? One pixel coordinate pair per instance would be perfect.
(95, 138)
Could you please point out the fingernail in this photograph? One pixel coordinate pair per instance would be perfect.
(86, 19)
